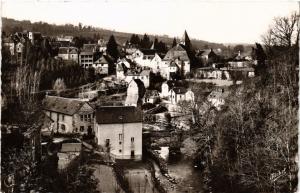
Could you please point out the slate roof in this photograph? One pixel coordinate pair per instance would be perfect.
(73, 50)
(148, 52)
(63, 50)
(62, 105)
(102, 60)
(118, 114)
(70, 147)
(151, 93)
(177, 52)
(179, 90)
(89, 47)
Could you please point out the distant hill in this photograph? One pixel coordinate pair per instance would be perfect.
(11, 25)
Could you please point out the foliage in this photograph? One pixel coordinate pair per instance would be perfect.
(238, 48)
(135, 40)
(112, 47)
(255, 135)
(145, 42)
(190, 147)
(84, 181)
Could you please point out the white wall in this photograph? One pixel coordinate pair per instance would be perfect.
(123, 143)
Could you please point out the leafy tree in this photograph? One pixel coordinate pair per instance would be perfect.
(91, 74)
(112, 47)
(155, 43)
(238, 48)
(145, 42)
(260, 56)
(135, 40)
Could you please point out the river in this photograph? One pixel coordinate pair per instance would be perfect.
(188, 178)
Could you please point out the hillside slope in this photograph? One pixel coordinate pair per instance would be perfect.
(11, 25)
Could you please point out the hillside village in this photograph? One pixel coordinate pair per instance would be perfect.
(79, 103)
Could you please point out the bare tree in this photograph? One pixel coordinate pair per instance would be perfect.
(283, 32)
(59, 85)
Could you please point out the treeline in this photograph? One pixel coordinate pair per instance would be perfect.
(10, 26)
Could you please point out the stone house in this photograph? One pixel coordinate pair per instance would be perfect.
(68, 53)
(86, 56)
(167, 86)
(179, 55)
(102, 65)
(143, 57)
(144, 76)
(69, 115)
(151, 96)
(118, 130)
(178, 94)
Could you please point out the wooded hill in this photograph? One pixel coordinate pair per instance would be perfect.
(11, 25)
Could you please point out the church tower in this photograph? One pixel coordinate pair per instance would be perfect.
(185, 40)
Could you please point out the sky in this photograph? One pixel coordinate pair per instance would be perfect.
(215, 21)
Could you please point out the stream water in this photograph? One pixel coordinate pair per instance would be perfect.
(188, 178)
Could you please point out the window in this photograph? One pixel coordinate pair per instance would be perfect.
(107, 143)
(120, 142)
(132, 139)
(63, 127)
(120, 136)
(81, 117)
(85, 117)
(76, 129)
(89, 117)
(81, 128)
(132, 153)
(63, 117)
(120, 150)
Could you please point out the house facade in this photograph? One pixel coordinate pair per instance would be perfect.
(151, 96)
(143, 57)
(69, 115)
(86, 56)
(144, 76)
(86, 59)
(68, 53)
(101, 65)
(179, 56)
(119, 130)
(178, 94)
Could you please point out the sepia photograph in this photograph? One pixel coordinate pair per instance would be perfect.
(149, 96)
